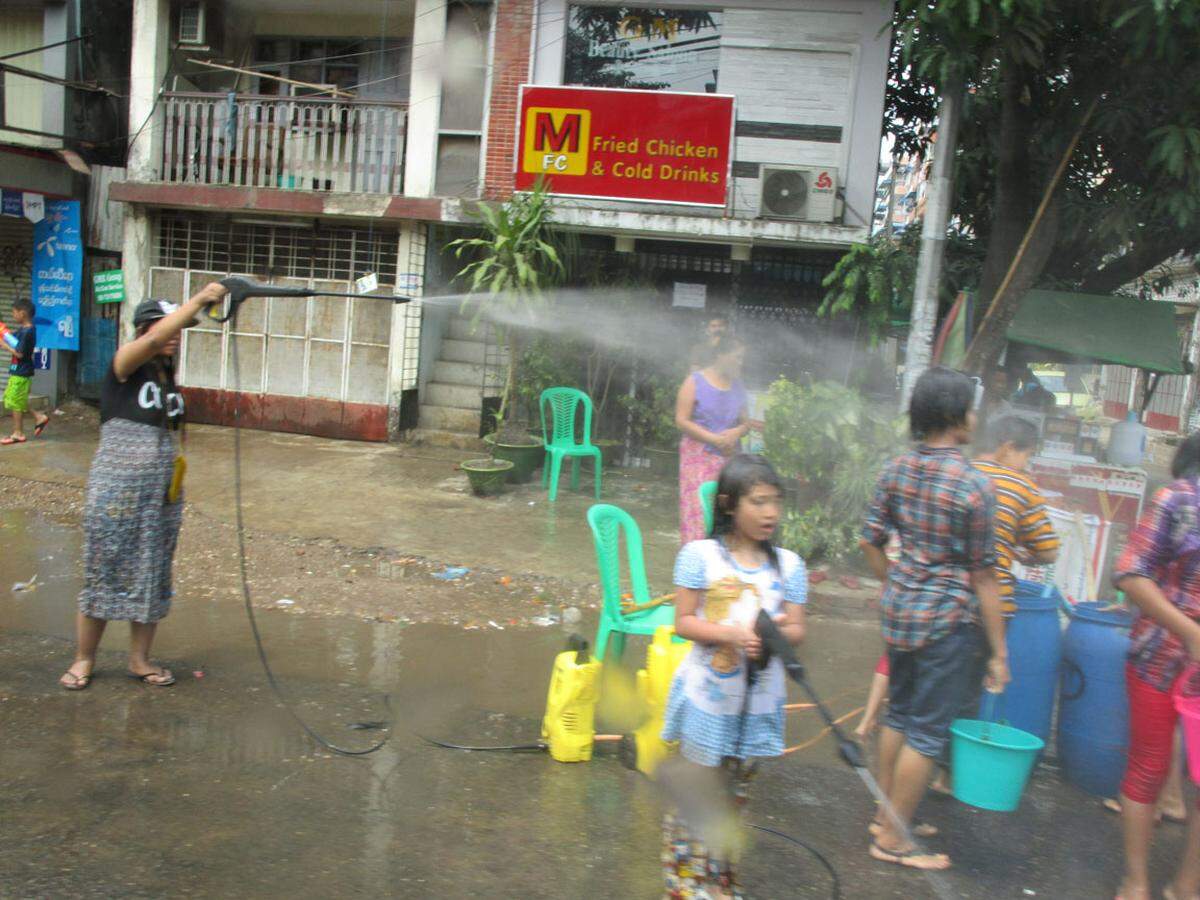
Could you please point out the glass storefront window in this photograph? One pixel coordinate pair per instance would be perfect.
(646, 48)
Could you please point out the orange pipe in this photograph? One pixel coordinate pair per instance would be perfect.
(824, 732)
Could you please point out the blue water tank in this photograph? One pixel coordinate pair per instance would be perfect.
(1034, 639)
(1093, 713)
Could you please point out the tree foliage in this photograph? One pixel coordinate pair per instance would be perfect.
(875, 279)
(1130, 197)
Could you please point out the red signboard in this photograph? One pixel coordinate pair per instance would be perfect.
(614, 144)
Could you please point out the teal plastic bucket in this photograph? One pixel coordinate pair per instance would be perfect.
(990, 763)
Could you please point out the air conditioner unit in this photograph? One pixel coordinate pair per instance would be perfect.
(192, 24)
(808, 193)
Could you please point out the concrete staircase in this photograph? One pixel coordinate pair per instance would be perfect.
(450, 403)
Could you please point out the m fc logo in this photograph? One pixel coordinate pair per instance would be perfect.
(556, 141)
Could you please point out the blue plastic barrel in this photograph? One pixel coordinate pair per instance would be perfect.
(1093, 714)
(1034, 639)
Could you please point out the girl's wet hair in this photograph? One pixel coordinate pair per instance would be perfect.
(742, 474)
(941, 400)
(1186, 462)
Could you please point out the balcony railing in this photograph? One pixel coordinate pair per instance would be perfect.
(293, 143)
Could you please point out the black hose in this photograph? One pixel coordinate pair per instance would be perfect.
(514, 748)
(836, 893)
(258, 643)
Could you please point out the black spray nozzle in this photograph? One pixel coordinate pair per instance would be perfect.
(580, 645)
(775, 644)
(241, 289)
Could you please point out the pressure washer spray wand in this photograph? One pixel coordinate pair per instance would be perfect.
(775, 644)
(241, 289)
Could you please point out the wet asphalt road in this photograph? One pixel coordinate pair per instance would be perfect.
(208, 789)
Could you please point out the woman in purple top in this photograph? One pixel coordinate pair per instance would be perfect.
(710, 410)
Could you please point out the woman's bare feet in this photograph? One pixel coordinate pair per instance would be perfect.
(920, 829)
(911, 858)
(78, 676)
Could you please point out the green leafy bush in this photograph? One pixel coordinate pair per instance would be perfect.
(832, 442)
(651, 410)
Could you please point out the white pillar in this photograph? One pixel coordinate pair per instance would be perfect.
(425, 97)
(404, 347)
(147, 69)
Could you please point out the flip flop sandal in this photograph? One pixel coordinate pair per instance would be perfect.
(145, 678)
(10, 440)
(40, 427)
(907, 858)
(78, 682)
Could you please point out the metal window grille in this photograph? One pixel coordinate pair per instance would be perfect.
(330, 253)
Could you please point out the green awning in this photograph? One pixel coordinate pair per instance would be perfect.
(1101, 328)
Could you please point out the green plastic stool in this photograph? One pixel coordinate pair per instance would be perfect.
(607, 522)
(559, 437)
(708, 501)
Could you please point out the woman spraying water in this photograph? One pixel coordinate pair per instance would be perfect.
(720, 711)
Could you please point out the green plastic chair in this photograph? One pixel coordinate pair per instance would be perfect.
(708, 500)
(607, 522)
(559, 437)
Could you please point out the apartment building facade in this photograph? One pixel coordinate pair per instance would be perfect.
(340, 146)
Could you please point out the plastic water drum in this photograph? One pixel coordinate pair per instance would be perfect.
(1034, 639)
(1127, 442)
(1093, 716)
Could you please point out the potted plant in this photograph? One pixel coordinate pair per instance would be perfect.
(511, 262)
(524, 452)
(487, 476)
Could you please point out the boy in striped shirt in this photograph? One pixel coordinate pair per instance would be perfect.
(1023, 530)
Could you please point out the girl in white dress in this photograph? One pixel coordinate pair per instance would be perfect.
(723, 708)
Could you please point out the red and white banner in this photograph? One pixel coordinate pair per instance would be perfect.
(616, 144)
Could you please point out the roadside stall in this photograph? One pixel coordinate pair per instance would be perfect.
(1094, 483)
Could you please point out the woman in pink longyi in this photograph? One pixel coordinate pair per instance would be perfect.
(711, 412)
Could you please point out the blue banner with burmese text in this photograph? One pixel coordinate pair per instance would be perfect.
(57, 275)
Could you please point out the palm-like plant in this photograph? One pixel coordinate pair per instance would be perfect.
(512, 263)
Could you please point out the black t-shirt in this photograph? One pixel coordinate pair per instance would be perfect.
(26, 339)
(141, 397)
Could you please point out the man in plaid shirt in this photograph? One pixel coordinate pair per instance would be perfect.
(937, 597)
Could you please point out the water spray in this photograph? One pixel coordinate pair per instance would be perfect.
(241, 289)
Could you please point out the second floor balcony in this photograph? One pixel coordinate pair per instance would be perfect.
(289, 143)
